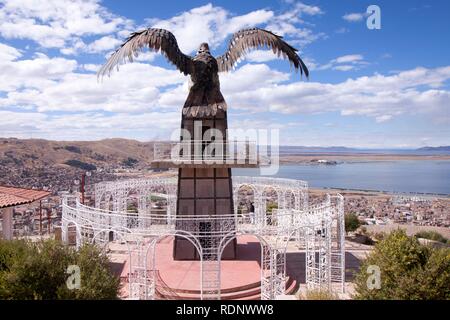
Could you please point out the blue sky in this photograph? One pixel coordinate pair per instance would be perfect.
(368, 88)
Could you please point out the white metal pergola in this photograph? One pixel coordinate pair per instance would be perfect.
(318, 230)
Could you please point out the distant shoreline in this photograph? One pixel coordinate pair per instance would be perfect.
(355, 157)
(379, 192)
(367, 192)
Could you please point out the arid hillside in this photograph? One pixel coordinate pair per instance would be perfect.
(36, 153)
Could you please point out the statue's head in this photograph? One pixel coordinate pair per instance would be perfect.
(204, 48)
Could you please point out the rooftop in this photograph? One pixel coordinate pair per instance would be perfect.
(12, 196)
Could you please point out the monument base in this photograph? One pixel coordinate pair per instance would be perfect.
(204, 193)
(240, 277)
(184, 250)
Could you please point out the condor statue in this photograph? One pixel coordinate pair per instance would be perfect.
(204, 96)
(204, 190)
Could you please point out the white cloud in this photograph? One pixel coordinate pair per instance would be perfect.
(57, 97)
(17, 122)
(383, 118)
(52, 84)
(103, 44)
(349, 58)
(307, 9)
(214, 24)
(208, 23)
(8, 53)
(288, 24)
(353, 17)
(248, 20)
(251, 77)
(146, 56)
(56, 23)
(88, 126)
(261, 56)
(67, 24)
(344, 63)
(131, 90)
(378, 96)
(344, 68)
(91, 67)
(39, 72)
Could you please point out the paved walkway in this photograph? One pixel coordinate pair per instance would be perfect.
(185, 275)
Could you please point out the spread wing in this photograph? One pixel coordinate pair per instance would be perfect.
(155, 40)
(254, 38)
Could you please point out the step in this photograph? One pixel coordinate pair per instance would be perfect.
(224, 296)
(247, 292)
(291, 286)
(226, 290)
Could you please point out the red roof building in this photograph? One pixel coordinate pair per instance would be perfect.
(11, 197)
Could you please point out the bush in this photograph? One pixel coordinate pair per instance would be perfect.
(351, 222)
(9, 251)
(132, 208)
(74, 149)
(271, 206)
(317, 295)
(408, 270)
(432, 235)
(34, 271)
(130, 162)
(81, 165)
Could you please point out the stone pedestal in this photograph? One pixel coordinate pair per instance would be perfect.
(204, 190)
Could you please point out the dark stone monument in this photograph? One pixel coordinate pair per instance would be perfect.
(204, 186)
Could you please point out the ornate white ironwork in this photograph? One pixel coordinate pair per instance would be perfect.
(319, 231)
(215, 151)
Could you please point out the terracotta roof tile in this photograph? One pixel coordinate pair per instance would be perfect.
(11, 196)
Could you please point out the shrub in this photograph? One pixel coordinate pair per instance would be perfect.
(97, 280)
(74, 149)
(271, 206)
(317, 295)
(34, 271)
(9, 252)
(132, 208)
(351, 222)
(408, 270)
(81, 165)
(130, 162)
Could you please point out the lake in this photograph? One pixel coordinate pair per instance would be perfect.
(414, 176)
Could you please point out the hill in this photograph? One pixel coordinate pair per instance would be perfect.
(35, 153)
(441, 148)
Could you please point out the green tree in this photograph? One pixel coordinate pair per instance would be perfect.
(97, 281)
(271, 206)
(408, 270)
(38, 271)
(351, 222)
